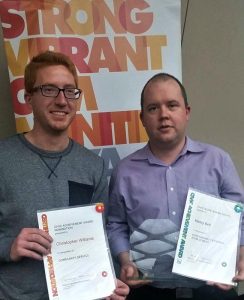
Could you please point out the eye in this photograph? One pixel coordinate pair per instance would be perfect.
(152, 108)
(70, 91)
(173, 105)
(48, 89)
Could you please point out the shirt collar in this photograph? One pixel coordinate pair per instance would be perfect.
(192, 146)
(146, 154)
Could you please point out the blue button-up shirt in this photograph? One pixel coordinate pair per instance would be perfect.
(144, 188)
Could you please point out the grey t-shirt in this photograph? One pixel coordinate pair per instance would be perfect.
(32, 179)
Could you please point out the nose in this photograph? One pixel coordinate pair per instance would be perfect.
(163, 112)
(60, 99)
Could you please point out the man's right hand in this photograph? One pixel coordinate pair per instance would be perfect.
(32, 243)
(129, 272)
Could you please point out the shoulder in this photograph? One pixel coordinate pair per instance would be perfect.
(81, 152)
(198, 146)
(9, 144)
(135, 156)
(210, 152)
(127, 165)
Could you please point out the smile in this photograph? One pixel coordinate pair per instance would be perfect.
(59, 113)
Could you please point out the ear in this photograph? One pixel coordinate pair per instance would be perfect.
(188, 111)
(141, 118)
(28, 99)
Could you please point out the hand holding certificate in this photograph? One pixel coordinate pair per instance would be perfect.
(208, 242)
(79, 265)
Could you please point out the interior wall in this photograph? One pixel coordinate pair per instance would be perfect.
(213, 73)
(213, 70)
(7, 123)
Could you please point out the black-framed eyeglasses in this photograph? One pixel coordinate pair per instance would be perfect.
(53, 91)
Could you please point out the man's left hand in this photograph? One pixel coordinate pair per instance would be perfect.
(239, 276)
(121, 291)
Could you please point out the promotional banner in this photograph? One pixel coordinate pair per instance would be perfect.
(116, 45)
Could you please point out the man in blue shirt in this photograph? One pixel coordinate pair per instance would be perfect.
(148, 191)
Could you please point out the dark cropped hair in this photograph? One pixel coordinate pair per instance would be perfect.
(164, 77)
(45, 59)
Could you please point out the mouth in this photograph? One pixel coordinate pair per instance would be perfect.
(165, 127)
(59, 113)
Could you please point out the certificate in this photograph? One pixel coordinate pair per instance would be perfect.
(79, 266)
(207, 247)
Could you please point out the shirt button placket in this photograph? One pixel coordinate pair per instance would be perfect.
(172, 202)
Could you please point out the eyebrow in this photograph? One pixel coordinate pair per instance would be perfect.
(152, 104)
(70, 85)
(159, 103)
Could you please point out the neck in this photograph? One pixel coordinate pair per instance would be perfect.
(57, 142)
(167, 153)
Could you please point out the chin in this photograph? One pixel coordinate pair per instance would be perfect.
(60, 126)
(58, 129)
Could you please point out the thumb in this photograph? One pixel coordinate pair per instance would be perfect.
(239, 276)
(130, 271)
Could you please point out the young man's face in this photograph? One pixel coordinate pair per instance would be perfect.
(52, 114)
(164, 114)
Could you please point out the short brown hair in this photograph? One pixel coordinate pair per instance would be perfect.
(164, 77)
(45, 59)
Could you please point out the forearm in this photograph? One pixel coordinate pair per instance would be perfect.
(124, 258)
(5, 246)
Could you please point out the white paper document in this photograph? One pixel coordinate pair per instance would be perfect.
(79, 266)
(207, 248)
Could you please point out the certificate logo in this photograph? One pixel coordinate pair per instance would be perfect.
(238, 208)
(104, 274)
(99, 207)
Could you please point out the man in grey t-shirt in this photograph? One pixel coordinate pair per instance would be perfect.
(40, 170)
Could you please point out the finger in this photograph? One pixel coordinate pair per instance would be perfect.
(121, 286)
(46, 235)
(30, 254)
(115, 297)
(137, 283)
(29, 245)
(38, 239)
(36, 231)
(130, 272)
(38, 247)
(122, 291)
(24, 247)
(17, 252)
(225, 287)
(33, 242)
(239, 277)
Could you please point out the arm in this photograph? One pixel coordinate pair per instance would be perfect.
(117, 225)
(231, 188)
(118, 229)
(240, 266)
